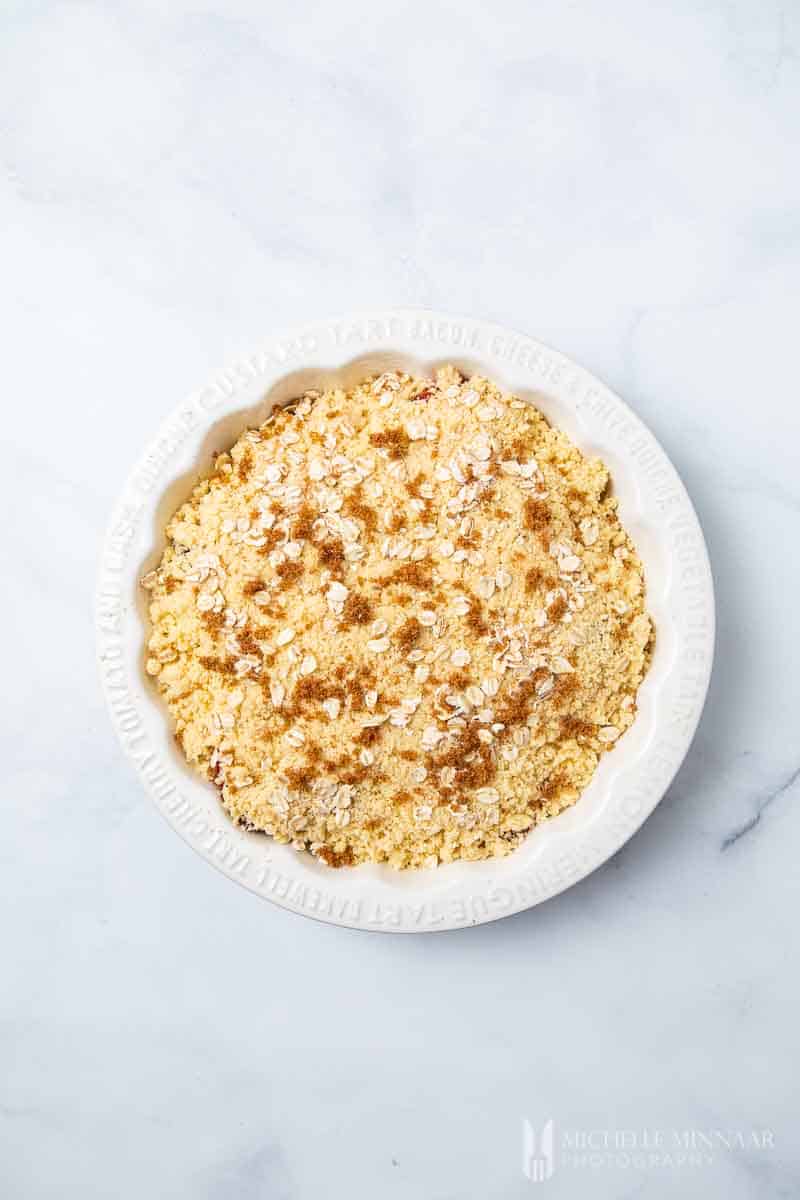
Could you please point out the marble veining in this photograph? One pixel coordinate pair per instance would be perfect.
(762, 803)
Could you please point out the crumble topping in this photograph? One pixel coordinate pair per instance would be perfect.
(400, 623)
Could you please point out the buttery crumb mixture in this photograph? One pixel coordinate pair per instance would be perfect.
(400, 623)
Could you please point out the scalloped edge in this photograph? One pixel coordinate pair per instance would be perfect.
(654, 507)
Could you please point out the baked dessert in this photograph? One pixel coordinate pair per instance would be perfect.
(399, 623)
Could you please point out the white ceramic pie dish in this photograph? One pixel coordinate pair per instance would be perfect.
(654, 508)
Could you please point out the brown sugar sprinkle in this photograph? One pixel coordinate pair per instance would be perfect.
(622, 625)
(413, 485)
(247, 643)
(576, 727)
(245, 467)
(354, 683)
(211, 662)
(395, 440)
(556, 610)
(331, 555)
(415, 574)
(550, 788)
(213, 621)
(357, 610)
(272, 538)
(252, 587)
(289, 572)
(355, 506)
(369, 735)
(336, 859)
(310, 692)
(524, 445)
(475, 620)
(304, 695)
(478, 770)
(353, 775)
(313, 752)
(301, 778)
(515, 708)
(565, 686)
(303, 524)
(536, 515)
(407, 636)
(395, 521)
(537, 580)
(473, 762)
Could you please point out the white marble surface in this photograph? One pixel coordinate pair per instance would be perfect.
(176, 181)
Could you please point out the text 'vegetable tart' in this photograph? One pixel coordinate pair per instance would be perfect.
(399, 623)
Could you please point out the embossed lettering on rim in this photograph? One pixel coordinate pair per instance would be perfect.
(654, 507)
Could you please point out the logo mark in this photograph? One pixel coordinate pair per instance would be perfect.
(538, 1166)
